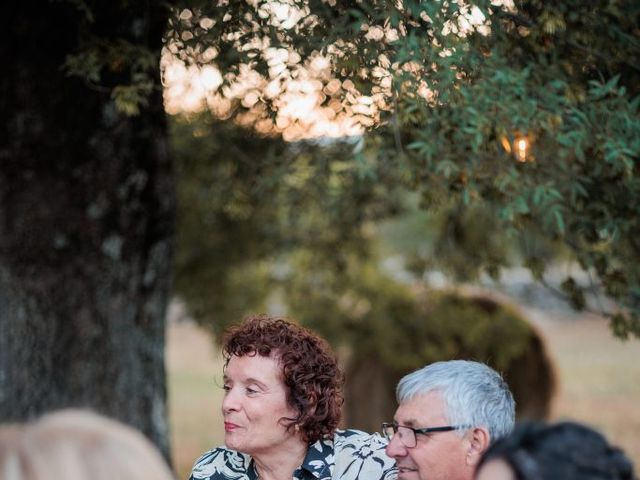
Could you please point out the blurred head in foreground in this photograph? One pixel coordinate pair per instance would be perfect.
(78, 445)
(567, 450)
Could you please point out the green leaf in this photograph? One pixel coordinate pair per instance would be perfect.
(559, 220)
(521, 205)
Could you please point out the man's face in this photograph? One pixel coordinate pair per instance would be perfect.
(436, 456)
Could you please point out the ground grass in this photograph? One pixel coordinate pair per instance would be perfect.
(599, 383)
(599, 379)
(194, 381)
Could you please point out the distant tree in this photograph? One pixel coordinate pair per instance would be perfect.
(527, 110)
(227, 216)
(86, 211)
(249, 203)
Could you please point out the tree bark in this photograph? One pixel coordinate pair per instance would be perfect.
(86, 220)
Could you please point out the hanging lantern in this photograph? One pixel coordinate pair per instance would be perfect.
(519, 147)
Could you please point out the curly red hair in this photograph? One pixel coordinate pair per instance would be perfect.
(310, 369)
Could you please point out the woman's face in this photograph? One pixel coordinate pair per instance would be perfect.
(254, 404)
(495, 469)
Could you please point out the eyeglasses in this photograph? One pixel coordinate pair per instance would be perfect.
(407, 435)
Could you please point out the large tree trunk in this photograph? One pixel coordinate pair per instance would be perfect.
(86, 221)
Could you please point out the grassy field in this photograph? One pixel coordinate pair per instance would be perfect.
(194, 379)
(599, 383)
(599, 379)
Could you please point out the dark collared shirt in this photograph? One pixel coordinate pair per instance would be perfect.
(349, 455)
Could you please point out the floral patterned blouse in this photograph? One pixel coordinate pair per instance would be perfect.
(350, 455)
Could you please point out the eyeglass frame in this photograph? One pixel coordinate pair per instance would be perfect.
(418, 431)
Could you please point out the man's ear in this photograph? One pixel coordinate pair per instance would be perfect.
(479, 440)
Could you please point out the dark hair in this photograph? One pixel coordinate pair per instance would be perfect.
(309, 369)
(565, 450)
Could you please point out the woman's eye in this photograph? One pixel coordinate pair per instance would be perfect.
(251, 391)
(226, 388)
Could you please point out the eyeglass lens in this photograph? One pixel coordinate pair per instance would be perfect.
(406, 435)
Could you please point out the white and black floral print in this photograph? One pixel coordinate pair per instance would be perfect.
(350, 455)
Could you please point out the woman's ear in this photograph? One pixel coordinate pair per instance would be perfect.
(479, 440)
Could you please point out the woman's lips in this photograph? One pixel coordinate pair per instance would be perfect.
(228, 426)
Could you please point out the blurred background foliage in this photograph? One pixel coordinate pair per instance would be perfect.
(493, 135)
(249, 203)
(307, 234)
(515, 123)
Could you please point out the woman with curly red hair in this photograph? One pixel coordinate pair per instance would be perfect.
(281, 409)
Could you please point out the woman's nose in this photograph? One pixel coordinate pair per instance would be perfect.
(229, 401)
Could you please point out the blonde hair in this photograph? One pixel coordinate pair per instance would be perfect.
(78, 445)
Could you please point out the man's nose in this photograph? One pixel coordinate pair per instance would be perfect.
(395, 448)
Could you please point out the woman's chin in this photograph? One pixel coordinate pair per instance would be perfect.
(232, 441)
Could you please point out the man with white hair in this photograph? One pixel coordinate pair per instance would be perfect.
(448, 414)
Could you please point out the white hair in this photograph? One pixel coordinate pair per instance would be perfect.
(473, 393)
